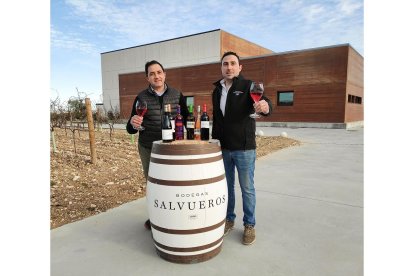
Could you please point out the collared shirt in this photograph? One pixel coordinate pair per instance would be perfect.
(165, 89)
(223, 98)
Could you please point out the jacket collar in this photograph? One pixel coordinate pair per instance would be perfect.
(152, 91)
(235, 79)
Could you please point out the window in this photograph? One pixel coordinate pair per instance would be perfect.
(354, 99)
(285, 98)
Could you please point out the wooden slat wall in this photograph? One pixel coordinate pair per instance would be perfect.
(242, 47)
(319, 78)
(129, 86)
(355, 86)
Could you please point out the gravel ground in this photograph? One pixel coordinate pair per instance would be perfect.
(79, 189)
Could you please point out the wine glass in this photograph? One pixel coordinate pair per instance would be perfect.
(141, 108)
(256, 92)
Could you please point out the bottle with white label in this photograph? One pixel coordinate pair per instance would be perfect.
(172, 120)
(166, 127)
(197, 126)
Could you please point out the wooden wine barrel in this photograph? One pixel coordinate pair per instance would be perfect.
(187, 200)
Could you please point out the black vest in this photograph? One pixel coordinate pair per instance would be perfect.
(152, 119)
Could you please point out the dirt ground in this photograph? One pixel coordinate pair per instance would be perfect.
(79, 189)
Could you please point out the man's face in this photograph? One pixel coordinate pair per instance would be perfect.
(230, 67)
(156, 76)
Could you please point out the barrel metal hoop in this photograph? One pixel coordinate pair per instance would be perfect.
(186, 161)
(189, 249)
(191, 259)
(188, 231)
(185, 149)
(194, 182)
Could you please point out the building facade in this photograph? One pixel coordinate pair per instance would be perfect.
(321, 87)
(189, 50)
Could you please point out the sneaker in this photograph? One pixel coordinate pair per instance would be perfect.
(228, 227)
(148, 224)
(249, 235)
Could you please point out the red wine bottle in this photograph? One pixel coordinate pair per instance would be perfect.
(205, 124)
(190, 123)
(179, 125)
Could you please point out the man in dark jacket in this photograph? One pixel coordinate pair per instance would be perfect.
(235, 129)
(156, 95)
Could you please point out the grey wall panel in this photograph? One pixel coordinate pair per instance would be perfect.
(185, 51)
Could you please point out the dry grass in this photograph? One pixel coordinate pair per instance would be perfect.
(80, 189)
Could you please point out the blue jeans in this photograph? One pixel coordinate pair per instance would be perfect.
(244, 161)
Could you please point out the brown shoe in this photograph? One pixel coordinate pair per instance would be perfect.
(228, 227)
(249, 235)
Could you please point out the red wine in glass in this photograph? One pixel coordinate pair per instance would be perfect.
(256, 92)
(255, 96)
(141, 109)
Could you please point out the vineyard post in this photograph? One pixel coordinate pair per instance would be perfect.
(52, 132)
(91, 129)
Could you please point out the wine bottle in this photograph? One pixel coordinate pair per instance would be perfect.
(179, 127)
(172, 120)
(166, 127)
(205, 124)
(197, 127)
(190, 124)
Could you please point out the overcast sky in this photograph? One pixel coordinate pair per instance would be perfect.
(83, 29)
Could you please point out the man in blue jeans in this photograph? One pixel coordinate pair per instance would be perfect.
(233, 126)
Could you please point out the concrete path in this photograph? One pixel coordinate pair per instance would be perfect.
(309, 220)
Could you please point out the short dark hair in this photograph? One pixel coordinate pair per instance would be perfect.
(152, 62)
(230, 53)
